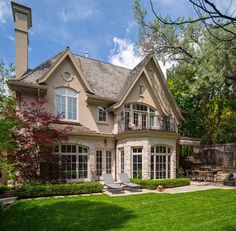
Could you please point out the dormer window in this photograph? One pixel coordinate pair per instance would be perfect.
(102, 114)
(66, 103)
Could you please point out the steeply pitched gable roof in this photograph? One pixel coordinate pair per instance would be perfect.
(103, 80)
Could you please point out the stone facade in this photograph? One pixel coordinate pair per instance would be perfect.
(145, 144)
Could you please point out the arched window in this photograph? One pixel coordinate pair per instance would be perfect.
(66, 103)
(139, 116)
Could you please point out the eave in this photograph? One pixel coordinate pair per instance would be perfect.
(26, 87)
(94, 99)
(147, 133)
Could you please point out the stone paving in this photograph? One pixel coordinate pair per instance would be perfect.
(195, 186)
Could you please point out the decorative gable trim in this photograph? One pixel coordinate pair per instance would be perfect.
(168, 93)
(64, 55)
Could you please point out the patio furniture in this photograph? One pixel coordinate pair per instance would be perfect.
(231, 180)
(111, 185)
(124, 179)
(203, 175)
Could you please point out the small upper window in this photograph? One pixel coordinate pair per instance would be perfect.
(141, 90)
(102, 114)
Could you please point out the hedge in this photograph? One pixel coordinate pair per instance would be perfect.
(3, 188)
(166, 183)
(42, 190)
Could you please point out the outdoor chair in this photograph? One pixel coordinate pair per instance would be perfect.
(124, 179)
(111, 185)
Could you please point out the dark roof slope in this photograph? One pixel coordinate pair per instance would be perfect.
(106, 80)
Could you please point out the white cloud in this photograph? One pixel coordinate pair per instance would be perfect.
(75, 9)
(10, 37)
(124, 54)
(5, 11)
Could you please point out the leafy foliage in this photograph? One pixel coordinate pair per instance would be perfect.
(3, 188)
(202, 77)
(35, 139)
(41, 190)
(166, 183)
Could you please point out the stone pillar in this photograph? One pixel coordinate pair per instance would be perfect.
(173, 164)
(92, 165)
(146, 162)
(127, 160)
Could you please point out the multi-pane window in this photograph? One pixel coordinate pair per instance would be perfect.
(135, 118)
(99, 163)
(122, 161)
(102, 114)
(73, 161)
(66, 103)
(160, 162)
(108, 162)
(137, 163)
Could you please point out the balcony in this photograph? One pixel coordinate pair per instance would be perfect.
(145, 121)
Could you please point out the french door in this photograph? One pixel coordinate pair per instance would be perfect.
(160, 166)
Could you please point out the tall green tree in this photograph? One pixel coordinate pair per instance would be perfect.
(203, 75)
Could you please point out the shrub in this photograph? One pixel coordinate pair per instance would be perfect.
(41, 190)
(166, 183)
(3, 188)
(1, 206)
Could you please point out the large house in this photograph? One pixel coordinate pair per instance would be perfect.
(123, 120)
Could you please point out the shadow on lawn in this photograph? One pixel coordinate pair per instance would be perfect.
(64, 215)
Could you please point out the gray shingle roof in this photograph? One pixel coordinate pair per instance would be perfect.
(106, 80)
(31, 76)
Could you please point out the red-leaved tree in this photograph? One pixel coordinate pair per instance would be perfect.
(35, 139)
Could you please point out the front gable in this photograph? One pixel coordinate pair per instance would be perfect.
(157, 92)
(147, 96)
(67, 59)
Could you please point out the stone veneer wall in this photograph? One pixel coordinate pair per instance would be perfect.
(104, 144)
(95, 144)
(146, 144)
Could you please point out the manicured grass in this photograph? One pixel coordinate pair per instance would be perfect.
(205, 210)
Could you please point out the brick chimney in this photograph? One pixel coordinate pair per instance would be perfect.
(23, 21)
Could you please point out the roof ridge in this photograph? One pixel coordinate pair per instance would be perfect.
(101, 61)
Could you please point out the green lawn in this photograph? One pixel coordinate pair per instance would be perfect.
(206, 210)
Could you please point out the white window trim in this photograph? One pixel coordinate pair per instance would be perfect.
(138, 154)
(166, 155)
(66, 112)
(77, 154)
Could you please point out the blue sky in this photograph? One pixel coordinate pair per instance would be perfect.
(106, 28)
